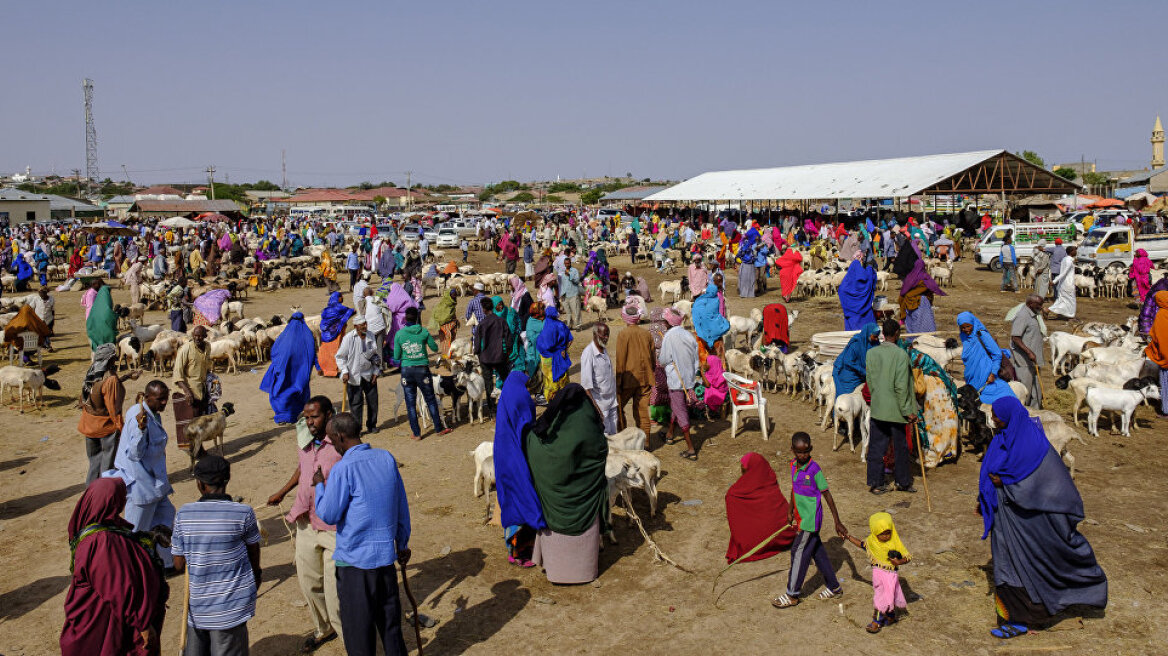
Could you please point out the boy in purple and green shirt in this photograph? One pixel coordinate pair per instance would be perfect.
(808, 492)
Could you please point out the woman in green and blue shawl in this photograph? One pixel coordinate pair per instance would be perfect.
(515, 350)
(937, 411)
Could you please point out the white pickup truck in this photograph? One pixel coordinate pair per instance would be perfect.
(1114, 246)
(1026, 236)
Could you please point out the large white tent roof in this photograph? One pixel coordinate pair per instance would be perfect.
(876, 178)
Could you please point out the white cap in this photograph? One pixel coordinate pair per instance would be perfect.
(479, 286)
(359, 320)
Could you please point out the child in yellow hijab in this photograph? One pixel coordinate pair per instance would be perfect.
(886, 552)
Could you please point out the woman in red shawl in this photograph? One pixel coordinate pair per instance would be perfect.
(790, 265)
(756, 508)
(117, 598)
(75, 262)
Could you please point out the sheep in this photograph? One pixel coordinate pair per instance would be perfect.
(1110, 355)
(670, 287)
(1059, 435)
(207, 428)
(147, 333)
(791, 364)
(476, 391)
(683, 308)
(943, 351)
(742, 326)
(1124, 400)
(1063, 345)
(1080, 386)
(162, 351)
(1116, 374)
(130, 352)
(851, 409)
(634, 469)
(738, 362)
(224, 348)
(484, 476)
(32, 380)
(630, 439)
(597, 304)
(231, 310)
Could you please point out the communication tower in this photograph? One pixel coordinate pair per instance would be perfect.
(91, 171)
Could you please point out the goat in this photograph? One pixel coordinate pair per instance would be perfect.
(943, 351)
(598, 305)
(484, 459)
(32, 380)
(670, 287)
(851, 409)
(1063, 345)
(1123, 400)
(742, 326)
(633, 469)
(207, 428)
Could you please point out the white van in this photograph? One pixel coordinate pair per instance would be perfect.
(1026, 236)
(1113, 245)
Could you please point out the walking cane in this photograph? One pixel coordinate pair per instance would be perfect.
(921, 457)
(414, 604)
(182, 632)
(345, 397)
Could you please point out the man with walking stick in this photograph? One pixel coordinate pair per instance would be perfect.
(890, 382)
(366, 500)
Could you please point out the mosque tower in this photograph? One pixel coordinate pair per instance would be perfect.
(1157, 145)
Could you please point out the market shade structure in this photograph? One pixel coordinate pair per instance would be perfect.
(178, 222)
(109, 228)
(979, 172)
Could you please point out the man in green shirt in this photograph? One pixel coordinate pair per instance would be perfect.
(409, 348)
(894, 407)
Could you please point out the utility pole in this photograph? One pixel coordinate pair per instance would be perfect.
(409, 198)
(77, 176)
(284, 169)
(127, 173)
(211, 177)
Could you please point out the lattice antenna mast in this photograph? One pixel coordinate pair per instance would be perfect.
(91, 171)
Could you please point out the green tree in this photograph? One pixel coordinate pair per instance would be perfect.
(1095, 179)
(553, 198)
(1066, 173)
(379, 200)
(559, 187)
(591, 197)
(264, 185)
(523, 197)
(1033, 158)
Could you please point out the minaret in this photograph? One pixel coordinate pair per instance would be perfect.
(1157, 145)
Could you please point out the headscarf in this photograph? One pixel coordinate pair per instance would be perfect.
(856, 293)
(444, 312)
(698, 278)
(518, 502)
(1013, 454)
(567, 451)
(918, 275)
(672, 316)
(877, 550)
(632, 311)
(553, 342)
(775, 327)
(709, 324)
(287, 379)
(103, 358)
(117, 591)
(755, 509)
(1149, 310)
(849, 248)
(333, 318)
(1157, 349)
(790, 268)
(981, 357)
(102, 324)
(851, 365)
(518, 289)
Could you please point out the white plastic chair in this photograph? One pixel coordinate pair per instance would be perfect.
(29, 342)
(745, 396)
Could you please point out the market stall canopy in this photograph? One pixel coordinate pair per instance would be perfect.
(178, 222)
(109, 228)
(979, 172)
(1107, 202)
(212, 216)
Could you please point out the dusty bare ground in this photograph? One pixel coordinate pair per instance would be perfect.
(484, 605)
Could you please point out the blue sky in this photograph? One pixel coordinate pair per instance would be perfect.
(473, 92)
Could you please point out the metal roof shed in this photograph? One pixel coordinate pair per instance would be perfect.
(632, 193)
(978, 172)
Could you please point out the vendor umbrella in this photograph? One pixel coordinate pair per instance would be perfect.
(212, 216)
(1107, 202)
(178, 222)
(109, 228)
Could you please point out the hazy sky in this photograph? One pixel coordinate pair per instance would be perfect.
(473, 92)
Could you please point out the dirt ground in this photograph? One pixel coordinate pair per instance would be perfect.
(484, 605)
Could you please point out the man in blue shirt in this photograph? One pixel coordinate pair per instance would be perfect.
(570, 294)
(353, 264)
(366, 500)
(218, 542)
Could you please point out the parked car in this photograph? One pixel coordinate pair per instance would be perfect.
(447, 238)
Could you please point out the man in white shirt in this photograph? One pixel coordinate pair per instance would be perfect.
(598, 378)
(359, 293)
(423, 248)
(359, 362)
(374, 317)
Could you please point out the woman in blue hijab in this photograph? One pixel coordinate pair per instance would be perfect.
(856, 294)
(982, 358)
(23, 273)
(332, 328)
(520, 511)
(709, 324)
(287, 378)
(1031, 509)
(552, 345)
(851, 365)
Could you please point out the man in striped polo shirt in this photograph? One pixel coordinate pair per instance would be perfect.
(218, 542)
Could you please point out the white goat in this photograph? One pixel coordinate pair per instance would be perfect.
(1123, 401)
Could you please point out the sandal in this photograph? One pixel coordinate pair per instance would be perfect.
(874, 626)
(784, 601)
(689, 455)
(883, 489)
(828, 594)
(1007, 631)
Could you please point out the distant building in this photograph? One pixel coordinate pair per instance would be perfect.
(18, 206)
(1157, 144)
(169, 208)
(1155, 181)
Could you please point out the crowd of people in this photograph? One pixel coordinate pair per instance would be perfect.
(351, 513)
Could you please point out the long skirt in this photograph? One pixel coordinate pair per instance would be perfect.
(446, 334)
(920, 320)
(550, 386)
(747, 278)
(706, 350)
(940, 422)
(569, 558)
(327, 355)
